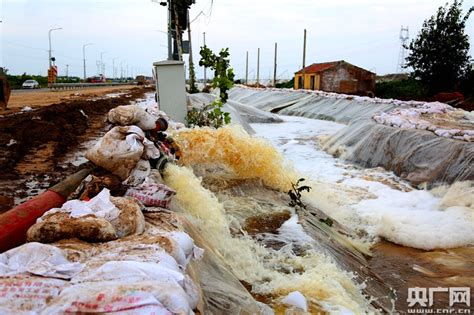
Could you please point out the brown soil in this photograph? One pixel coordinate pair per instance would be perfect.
(34, 145)
(34, 99)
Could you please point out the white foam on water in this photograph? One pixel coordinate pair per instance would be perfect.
(416, 218)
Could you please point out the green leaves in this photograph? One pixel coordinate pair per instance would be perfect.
(295, 194)
(213, 115)
(440, 54)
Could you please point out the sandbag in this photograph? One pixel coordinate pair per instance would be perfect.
(131, 115)
(101, 219)
(37, 259)
(27, 294)
(152, 194)
(167, 284)
(118, 151)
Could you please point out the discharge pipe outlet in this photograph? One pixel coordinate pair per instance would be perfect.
(15, 222)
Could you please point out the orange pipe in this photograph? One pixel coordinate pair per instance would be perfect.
(16, 222)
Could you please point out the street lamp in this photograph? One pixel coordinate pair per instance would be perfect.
(49, 36)
(101, 63)
(84, 58)
(113, 67)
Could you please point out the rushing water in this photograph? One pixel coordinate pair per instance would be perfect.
(281, 252)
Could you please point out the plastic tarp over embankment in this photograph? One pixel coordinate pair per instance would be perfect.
(414, 154)
(312, 104)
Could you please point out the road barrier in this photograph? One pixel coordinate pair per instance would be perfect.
(75, 86)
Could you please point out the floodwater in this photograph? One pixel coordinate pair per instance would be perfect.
(235, 195)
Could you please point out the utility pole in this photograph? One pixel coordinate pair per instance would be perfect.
(275, 66)
(304, 60)
(102, 70)
(247, 68)
(205, 79)
(121, 71)
(113, 67)
(178, 32)
(67, 71)
(98, 64)
(84, 59)
(170, 52)
(404, 36)
(258, 67)
(192, 74)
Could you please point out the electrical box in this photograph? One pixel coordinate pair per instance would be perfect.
(171, 89)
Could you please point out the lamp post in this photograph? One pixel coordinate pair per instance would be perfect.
(49, 36)
(113, 67)
(101, 63)
(84, 58)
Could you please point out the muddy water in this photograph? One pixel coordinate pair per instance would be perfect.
(273, 256)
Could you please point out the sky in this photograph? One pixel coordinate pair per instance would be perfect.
(129, 33)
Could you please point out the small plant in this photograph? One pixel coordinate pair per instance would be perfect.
(295, 194)
(212, 115)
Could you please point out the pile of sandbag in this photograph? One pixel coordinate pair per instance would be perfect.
(137, 274)
(412, 118)
(102, 255)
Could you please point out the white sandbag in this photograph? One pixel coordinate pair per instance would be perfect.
(99, 206)
(107, 297)
(152, 194)
(118, 151)
(181, 293)
(103, 218)
(37, 259)
(27, 295)
(132, 115)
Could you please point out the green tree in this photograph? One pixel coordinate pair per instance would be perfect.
(439, 55)
(213, 115)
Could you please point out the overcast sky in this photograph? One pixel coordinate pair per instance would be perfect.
(363, 32)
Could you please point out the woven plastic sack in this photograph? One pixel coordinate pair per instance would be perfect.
(118, 151)
(152, 194)
(131, 115)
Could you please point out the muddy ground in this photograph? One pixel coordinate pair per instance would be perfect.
(36, 147)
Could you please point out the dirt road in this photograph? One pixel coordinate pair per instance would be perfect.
(44, 97)
(35, 145)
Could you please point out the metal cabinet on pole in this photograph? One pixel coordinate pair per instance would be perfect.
(171, 89)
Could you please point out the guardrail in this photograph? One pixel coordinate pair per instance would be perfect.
(75, 86)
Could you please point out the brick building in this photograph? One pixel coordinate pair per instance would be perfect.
(337, 76)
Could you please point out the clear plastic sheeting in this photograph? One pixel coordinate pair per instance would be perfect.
(416, 155)
(413, 154)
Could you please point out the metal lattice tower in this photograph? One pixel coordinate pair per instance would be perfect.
(404, 36)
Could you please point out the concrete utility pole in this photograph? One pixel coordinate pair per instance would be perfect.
(275, 66)
(49, 37)
(205, 79)
(84, 59)
(170, 39)
(102, 70)
(304, 59)
(247, 68)
(192, 74)
(258, 67)
(113, 67)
